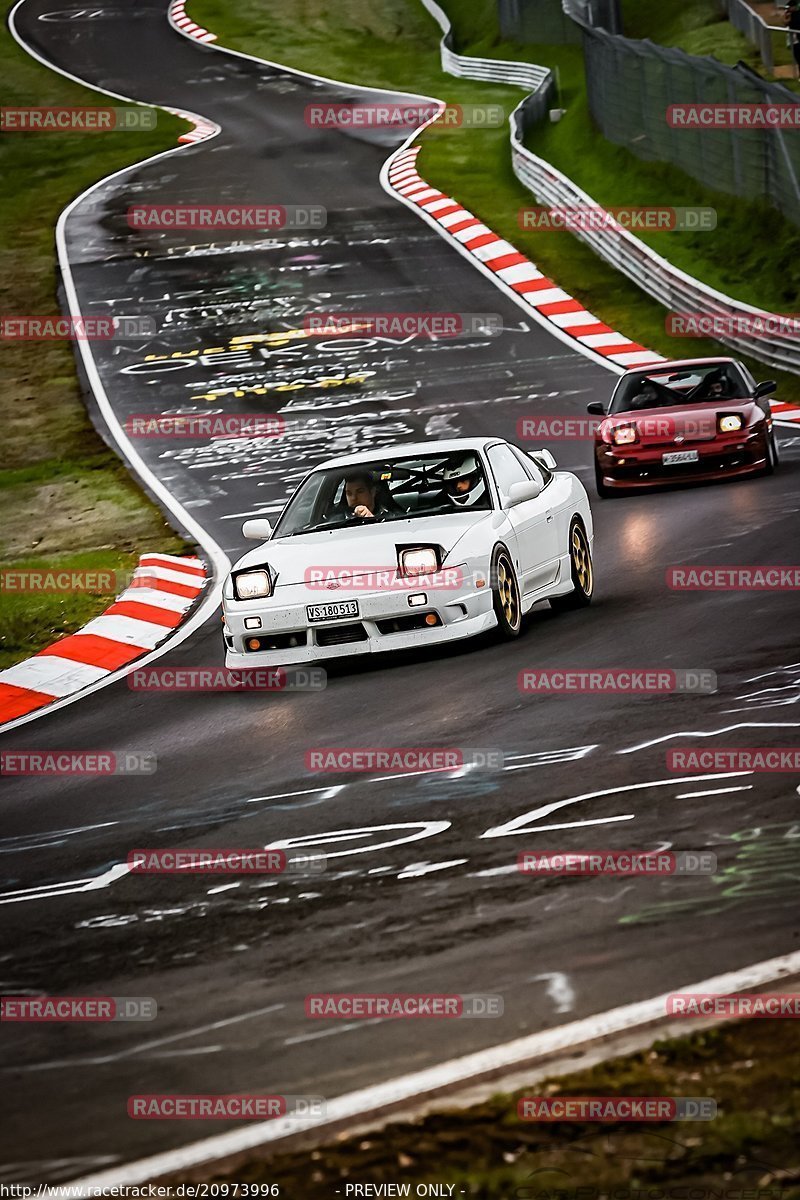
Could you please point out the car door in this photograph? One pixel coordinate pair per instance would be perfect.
(532, 520)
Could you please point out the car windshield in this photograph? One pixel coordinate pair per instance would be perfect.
(388, 489)
(686, 385)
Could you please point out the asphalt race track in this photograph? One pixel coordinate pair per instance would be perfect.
(426, 896)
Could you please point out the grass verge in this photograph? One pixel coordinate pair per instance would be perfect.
(748, 1152)
(395, 45)
(700, 27)
(66, 497)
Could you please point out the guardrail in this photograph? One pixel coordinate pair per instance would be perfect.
(677, 291)
(658, 278)
(492, 70)
(755, 29)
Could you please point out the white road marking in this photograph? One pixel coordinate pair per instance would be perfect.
(415, 870)
(325, 794)
(518, 825)
(747, 787)
(424, 829)
(70, 887)
(367, 1102)
(708, 733)
(144, 1047)
(559, 990)
(321, 1033)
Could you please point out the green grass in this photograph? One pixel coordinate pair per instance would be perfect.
(395, 44)
(63, 492)
(31, 620)
(698, 27)
(488, 1154)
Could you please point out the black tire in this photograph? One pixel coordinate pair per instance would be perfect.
(772, 454)
(506, 598)
(581, 570)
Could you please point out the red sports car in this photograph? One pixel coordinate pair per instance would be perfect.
(691, 420)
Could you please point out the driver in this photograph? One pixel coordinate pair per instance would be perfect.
(464, 484)
(361, 495)
(719, 389)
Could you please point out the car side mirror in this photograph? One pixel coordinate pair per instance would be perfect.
(259, 529)
(518, 493)
(597, 408)
(544, 458)
(764, 389)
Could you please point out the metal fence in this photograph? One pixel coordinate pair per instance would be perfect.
(673, 288)
(657, 277)
(537, 21)
(630, 86)
(754, 28)
(597, 14)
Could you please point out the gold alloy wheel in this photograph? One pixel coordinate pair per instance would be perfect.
(582, 560)
(507, 591)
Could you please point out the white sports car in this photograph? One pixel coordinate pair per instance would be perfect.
(415, 545)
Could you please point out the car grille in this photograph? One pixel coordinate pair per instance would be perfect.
(340, 635)
(274, 641)
(412, 621)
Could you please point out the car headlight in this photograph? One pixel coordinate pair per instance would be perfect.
(730, 423)
(421, 561)
(623, 435)
(252, 584)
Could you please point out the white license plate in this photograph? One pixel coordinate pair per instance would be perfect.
(332, 612)
(673, 457)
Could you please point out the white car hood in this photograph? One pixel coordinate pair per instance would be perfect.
(368, 545)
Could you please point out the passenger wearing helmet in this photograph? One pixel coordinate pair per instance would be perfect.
(464, 484)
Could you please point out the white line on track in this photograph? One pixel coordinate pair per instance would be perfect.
(709, 733)
(368, 1103)
(179, 515)
(154, 1044)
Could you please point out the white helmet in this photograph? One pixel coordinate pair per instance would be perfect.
(460, 471)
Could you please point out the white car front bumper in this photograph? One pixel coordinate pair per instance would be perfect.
(385, 621)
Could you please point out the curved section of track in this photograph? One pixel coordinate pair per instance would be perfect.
(422, 893)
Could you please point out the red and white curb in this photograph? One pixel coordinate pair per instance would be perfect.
(162, 591)
(202, 128)
(540, 294)
(785, 414)
(177, 12)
